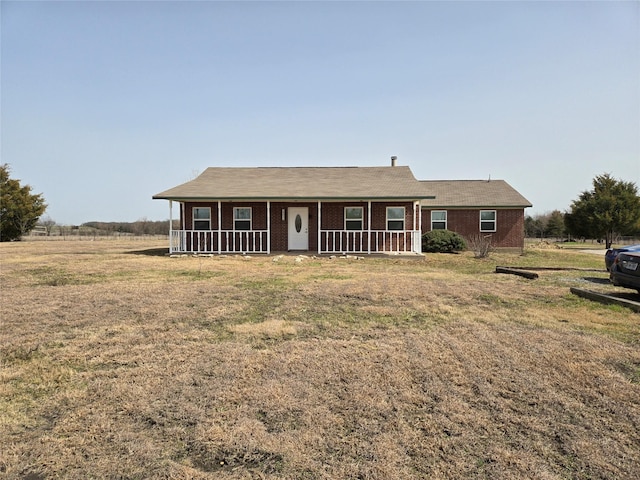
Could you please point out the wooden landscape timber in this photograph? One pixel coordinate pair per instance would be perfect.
(516, 271)
(607, 298)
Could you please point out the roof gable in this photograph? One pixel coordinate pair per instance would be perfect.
(271, 183)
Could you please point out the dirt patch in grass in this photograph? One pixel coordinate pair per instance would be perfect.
(235, 367)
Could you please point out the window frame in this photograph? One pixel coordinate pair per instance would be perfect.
(439, 220)
(493, 221)
(247, 221)
(396, 220)
(354, 221)
(196, 220)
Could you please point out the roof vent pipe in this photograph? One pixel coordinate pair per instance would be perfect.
(393, 161)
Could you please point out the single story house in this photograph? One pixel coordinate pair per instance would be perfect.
(335, 210)
(491, 209)
(319, 209)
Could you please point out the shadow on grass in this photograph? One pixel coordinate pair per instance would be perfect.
(151, 252)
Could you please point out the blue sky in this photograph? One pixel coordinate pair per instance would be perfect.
(106, 103)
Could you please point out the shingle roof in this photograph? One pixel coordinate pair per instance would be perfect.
(270, 183)
(472, 193)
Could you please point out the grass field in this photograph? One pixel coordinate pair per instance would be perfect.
(121, 362)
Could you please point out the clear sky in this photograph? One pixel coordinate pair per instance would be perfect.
(105, 104)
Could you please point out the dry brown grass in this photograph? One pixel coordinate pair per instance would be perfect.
(117, 363)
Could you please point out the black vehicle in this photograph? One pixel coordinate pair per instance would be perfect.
(612, 253)
(625, 271)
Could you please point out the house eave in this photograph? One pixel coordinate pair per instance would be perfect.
(473, 207)
(293, 199)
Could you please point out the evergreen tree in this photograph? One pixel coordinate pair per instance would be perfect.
(536, 227)
(555, 225)
(19, 208)
(611, 208)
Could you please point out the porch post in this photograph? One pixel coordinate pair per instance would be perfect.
(268, 227)
(319, 226)
(170, 226)
(419, 234)
(219, 227)
(183, 221)
(414, 246)
(369, 227)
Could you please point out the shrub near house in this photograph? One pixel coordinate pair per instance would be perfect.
(442, 241)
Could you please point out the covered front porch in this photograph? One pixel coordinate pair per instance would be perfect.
(223, 227)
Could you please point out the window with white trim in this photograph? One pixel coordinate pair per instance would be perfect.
(395, 218)
(201, 218)
(488, 220)
(353, 218)
(438, 220)
(242, 218)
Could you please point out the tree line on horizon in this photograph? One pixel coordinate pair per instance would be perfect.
(607, 212)
(551, 225)
(48, 227)
(610, 210)
(139, 227)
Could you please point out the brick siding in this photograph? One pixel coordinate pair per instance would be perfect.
(509, 225)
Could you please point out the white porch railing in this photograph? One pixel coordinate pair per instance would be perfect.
(331, 241)
(374, 241)
(214, 241)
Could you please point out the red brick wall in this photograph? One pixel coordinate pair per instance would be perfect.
(333, 214)
(509, 225)
(258, 214)
(279, 227)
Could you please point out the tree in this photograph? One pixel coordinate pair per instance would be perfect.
(555, 225)
(545, 225)
(536, 227)
(611, 208)
(19, 208)
(48, 223)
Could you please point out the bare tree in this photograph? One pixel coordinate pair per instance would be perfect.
(48, 223)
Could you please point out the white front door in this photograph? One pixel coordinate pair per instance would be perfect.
(298, 228)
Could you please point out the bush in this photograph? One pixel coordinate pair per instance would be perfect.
(480, 245)
(442, 241)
